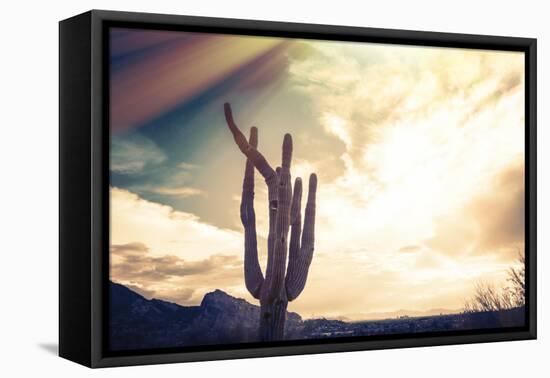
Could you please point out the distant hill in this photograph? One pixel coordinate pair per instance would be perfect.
(398, 314)
(137, 322)
(140, 323)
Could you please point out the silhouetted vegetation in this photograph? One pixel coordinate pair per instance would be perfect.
(489, 298)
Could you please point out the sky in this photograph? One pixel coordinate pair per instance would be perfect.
(419, 153)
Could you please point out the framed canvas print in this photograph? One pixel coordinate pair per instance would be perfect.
(234, 188)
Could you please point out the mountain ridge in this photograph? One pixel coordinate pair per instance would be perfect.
(382, 315)
(219, 319)
(138, 323)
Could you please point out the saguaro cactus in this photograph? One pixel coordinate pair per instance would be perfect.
(277, 288)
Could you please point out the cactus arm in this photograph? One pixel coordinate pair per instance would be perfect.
(296, 230)
(252, 272)
(250, 152)
(297, 280)
(271, 180)
(282, 222)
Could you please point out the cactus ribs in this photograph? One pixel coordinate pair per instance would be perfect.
(278, 287)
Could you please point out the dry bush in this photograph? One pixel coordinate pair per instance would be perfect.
(489, 298)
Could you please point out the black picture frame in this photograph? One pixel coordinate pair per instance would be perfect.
(84, 179)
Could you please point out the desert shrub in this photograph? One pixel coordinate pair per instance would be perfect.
(489, 298)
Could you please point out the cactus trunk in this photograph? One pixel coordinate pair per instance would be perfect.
(282, 282)
(272, 319)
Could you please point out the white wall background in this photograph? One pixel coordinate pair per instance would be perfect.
(29, 188)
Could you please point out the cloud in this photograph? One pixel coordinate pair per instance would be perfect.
(187, 166)
(167, 231)
(132, 262)
(177, 295)
(492, 222)
(411, 161)
(358, 90)
(169, 277)
(500, 213)
(170, 254)
(367, 282)
(181, 191)
(133, 153)
(505, 85)
(181, 296)
(409, 248)
(454, 234)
